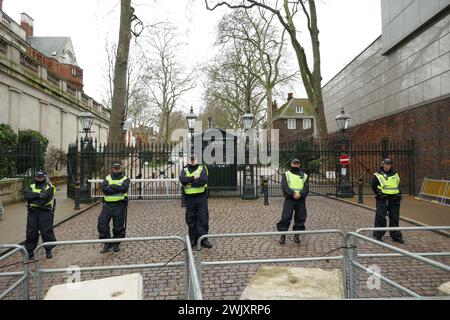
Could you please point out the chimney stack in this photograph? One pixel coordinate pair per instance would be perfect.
(209, 122)
(1, 5)
(290, 96)
(26, 22)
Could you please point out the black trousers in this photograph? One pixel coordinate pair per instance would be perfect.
(116, 212)
(386, 207)
(289, 207)
(39, 221)
(197, 216)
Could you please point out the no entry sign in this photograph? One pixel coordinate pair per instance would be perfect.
(344, 159)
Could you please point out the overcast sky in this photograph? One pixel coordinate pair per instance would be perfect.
(346, 28)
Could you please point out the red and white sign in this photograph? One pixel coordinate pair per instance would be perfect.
(344, 159)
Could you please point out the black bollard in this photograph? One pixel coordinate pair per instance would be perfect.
(360, 190)
(265, 187)
(77, 195)
(183, 198)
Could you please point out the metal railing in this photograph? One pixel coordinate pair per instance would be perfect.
(342, 258)
(193, 287)
(39, 270)
(24, 275)
(352, 255)
(144, 188)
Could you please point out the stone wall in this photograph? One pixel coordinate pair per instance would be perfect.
(11, 191)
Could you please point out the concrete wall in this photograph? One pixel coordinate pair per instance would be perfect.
(373, 85)
(28, 100)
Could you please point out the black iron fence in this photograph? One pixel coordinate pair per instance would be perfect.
(22, 160)
(88, 160)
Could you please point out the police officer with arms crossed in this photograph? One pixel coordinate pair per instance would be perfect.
(385, 185)
(40, 202)
(115, 202)
(295, 186)
(194, 178)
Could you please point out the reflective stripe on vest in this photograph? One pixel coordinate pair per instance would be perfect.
(118, 196)
(389, 185)
(295, 182)
(48, 204)
(189, 189)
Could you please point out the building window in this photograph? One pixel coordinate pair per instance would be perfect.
(306, 124)
(299, 109)
(292, 124)
(74, 72)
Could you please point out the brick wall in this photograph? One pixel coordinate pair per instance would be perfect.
(428, 126)
(290, 135)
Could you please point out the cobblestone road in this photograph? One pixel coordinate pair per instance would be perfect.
(161, 218)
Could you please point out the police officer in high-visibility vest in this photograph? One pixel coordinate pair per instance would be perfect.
(295, 186)
(115, 202)
(385, 185)
(40, 202)
(194, 178)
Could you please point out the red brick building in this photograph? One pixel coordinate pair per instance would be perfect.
(294, 120)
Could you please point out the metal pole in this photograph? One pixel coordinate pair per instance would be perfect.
(360, 190)
(265, 185)
(77, 195)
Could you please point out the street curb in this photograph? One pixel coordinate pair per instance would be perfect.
(412, 221)
(76, 213)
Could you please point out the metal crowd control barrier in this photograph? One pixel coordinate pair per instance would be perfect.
(24, 279)
(201, 263)
(193, 287)
(353, 255)
(40, 271)
(144, 188)
(436, 191)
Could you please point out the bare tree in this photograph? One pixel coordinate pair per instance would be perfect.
(311, 78)
(268, 44)
(166, 79)
(120, 73)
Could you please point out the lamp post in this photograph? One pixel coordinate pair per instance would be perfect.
(344, 189)
(86, 120)
(248, 188)
(191, 119)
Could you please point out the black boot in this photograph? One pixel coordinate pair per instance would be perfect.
(282, 239)
(30, 255)
(400, 240)
(107, 248)
(116, 247)
(206, 244)
(297, 238)
(48, 254)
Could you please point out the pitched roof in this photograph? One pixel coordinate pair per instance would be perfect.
(52, 47)
(287, 110)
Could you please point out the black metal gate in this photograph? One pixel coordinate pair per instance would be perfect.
(89, 160)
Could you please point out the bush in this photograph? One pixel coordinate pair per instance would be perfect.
(25, 138)
(8, 142)
(55, 160)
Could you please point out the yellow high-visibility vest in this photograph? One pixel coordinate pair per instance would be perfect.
(295, 182)
(48, 204)
(118, 196)
(189, 189)
(388, 185)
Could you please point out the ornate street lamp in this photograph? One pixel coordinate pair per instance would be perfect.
(249, 188)
(191, 119)
(344, 189)
(86, 119)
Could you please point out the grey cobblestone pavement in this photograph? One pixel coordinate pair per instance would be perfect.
(166, 217)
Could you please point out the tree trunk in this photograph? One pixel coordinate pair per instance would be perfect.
(269, 126)
(120, 73)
